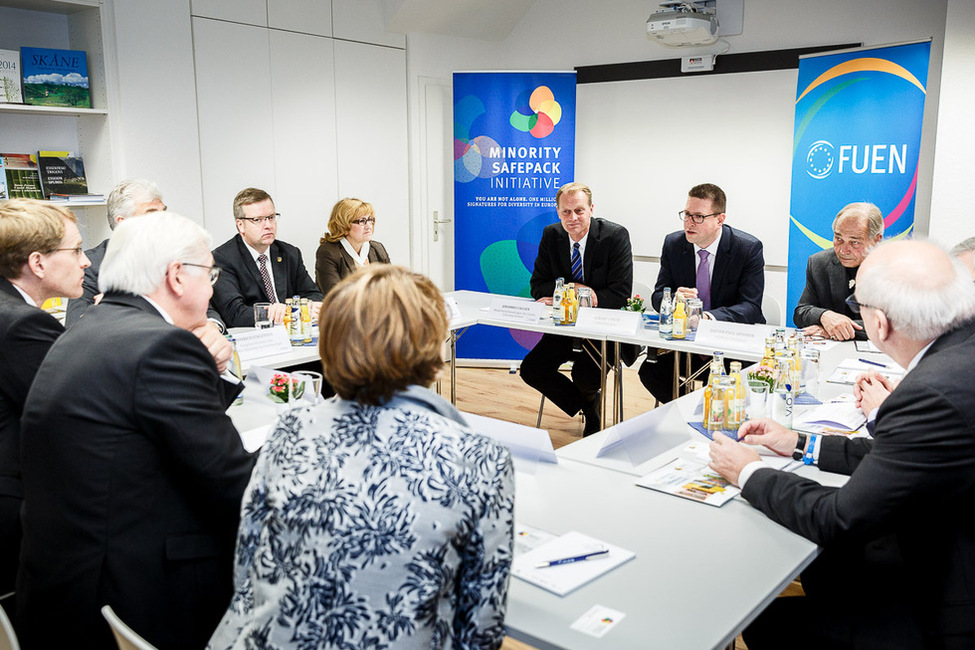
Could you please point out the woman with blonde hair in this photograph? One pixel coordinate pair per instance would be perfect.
(376, 518)
(348, 244)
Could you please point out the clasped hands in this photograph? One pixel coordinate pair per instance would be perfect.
(277, 309)
(547, 300)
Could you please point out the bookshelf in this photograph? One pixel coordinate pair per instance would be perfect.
(75, 25)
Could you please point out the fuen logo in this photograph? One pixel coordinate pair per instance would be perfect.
(860, 159)
(819, 160)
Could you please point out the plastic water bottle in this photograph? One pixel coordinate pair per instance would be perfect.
(783, 399)
(666, 326)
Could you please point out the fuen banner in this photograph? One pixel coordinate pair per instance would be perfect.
(857, 138)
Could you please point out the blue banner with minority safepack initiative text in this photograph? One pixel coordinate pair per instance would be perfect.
(514, 146)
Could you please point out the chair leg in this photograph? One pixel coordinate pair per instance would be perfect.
(541, 407)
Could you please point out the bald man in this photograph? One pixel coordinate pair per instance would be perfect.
(915, 478)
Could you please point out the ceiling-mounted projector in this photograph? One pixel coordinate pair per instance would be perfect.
(683, 24)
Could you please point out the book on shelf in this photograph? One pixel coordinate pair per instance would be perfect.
(10, 77)
(3, 182)
(55, 77)
(23, 180)
(61, 174)
(76, 198)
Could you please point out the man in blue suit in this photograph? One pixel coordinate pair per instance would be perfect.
(722, 266)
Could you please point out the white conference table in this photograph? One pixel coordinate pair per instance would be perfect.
(701, 574)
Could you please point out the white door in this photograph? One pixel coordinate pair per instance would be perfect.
(437, 166)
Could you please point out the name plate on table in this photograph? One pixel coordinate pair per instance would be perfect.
(727, 336)
(609, 321)
(453, 309)
(515, 310)
(254, 344)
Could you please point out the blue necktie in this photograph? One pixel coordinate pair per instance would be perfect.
(577, 263)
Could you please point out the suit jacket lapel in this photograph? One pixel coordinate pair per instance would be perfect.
(249, 263)
(10, 290)
(721, 262)
(564, 261)
(838, 283)
(347, 259)
(280, 266)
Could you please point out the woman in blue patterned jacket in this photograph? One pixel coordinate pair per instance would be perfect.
(376, 519)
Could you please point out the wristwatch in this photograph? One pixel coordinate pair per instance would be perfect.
(800, 449)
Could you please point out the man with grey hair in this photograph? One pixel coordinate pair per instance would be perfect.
(831, 275)
(133, 481)
(964, 251)
(130, 198)
(914, 479)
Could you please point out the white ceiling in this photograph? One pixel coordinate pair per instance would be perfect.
(490, 20)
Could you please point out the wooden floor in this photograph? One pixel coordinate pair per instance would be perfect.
(500, 393)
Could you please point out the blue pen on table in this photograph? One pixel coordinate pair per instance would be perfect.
(574, 558)
(873, 363)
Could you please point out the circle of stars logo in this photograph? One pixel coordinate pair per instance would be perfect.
(819, 160)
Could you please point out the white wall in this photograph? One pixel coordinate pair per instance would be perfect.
(954, 171)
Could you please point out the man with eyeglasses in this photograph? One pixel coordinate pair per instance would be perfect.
(831, 275)
(915, 478)
(132, 471)
(257, 267)
(133, 197)
(41, 257)
(722, 266)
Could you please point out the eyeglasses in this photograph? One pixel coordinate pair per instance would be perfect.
(852, 303)
(363, 221)
(78, 250)
(260, 220)
(684, 215)
(213, 271)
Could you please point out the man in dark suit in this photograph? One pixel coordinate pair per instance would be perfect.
(915, 478)
(40, 258)
(722, 266)
(130, 198)
(831, 275)
(255, 267)
(133, 472)
(605, 265)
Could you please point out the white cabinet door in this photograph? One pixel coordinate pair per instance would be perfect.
(370, 89)
(306, 167)
(250, 12)
(233, 88)
(305, 16)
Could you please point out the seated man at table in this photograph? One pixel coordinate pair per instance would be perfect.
(257, 267)
(915, 478)
(965, 252)
(133, 473)
(40, 258)
(722, 266)
(831, 275)
(590, 252)
(130, 198)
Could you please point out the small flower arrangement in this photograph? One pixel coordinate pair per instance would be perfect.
(280, 391)
(766, 374)
(635, 304)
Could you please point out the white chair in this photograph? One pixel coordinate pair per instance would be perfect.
(772, 311)
(126, 638)
(8, 639)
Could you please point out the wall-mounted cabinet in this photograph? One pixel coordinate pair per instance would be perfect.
(62, 24)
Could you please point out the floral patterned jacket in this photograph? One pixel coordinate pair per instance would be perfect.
(373, 527)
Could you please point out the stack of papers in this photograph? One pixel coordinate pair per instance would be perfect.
(562, 579)
(831, 418)
(849, 370)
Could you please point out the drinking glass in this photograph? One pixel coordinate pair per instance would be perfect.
(757, 399)
(262, 315)
(312, 384)
(694, 309)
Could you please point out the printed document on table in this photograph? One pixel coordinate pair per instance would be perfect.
(566, 578)
(850, 369)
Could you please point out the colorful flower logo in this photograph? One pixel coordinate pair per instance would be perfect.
(536, 113)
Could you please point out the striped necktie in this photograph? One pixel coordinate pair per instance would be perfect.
(577, 274)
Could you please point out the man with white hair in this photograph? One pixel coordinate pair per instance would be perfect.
(133, 472)
(965, 252)
(130, 198)
(831, 275)
(915, 479)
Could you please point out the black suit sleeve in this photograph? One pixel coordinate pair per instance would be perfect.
(78, 306)
(23, 349)
(746, 307)
(228, 298)
(176, 390)
(923, 453)
(809, 310)
(619, 273)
